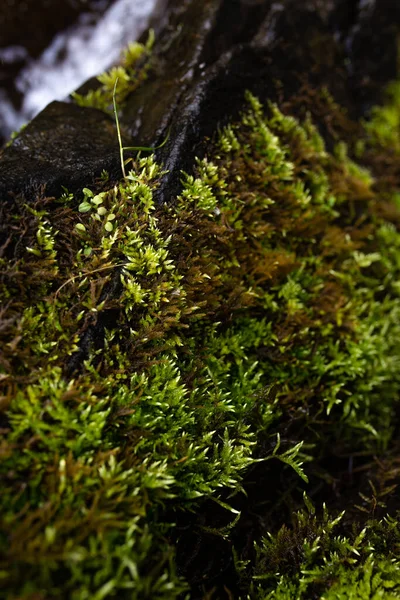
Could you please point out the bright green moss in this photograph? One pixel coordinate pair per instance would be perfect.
(383, 127)
(254, 322)
(130, 74)
(314, 559)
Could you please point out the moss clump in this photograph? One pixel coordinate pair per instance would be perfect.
(313, 559)
(384, 123)
(131, 72)
(204, 362)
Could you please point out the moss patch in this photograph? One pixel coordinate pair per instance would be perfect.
(206, 362)
(131, 72)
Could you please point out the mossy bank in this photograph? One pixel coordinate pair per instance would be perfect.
(200, 399)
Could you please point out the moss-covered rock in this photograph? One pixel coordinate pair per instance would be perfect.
(185, 385)
(199, 389)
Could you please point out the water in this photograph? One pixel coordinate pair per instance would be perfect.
(74, 55)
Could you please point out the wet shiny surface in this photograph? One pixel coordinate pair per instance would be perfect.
(207, 54)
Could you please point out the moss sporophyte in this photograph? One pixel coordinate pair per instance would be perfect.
(123, 148)
(249, 345)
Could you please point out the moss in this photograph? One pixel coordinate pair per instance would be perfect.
(383, 125)
(131, 72)
(158, 360)
(333, 566)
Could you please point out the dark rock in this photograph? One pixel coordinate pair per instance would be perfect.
(373, 50)
(231, 46)
(65, 145)
(206, 55)
(252, 45)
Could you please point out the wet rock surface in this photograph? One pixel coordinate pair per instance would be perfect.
(206, 55)
(65, 146)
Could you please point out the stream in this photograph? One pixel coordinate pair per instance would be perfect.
(86, 47)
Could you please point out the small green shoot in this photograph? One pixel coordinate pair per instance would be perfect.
(134, 148)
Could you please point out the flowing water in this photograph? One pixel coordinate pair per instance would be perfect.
(87, 47)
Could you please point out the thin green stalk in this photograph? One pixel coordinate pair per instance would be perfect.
(137, 148)
(121, 149)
